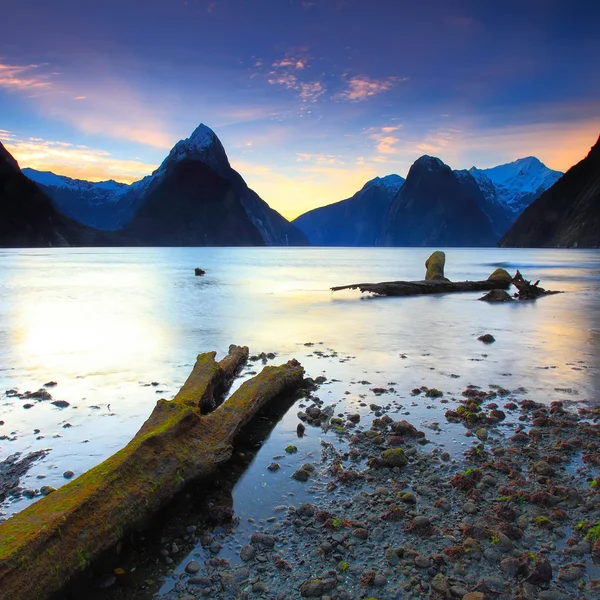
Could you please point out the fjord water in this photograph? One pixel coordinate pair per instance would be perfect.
(119, 328)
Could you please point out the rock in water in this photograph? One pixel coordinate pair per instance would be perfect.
(500, 275)
(435, 266)
(198, 272)
(497, 296)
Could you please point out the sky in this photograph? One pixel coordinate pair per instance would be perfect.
(310, 98)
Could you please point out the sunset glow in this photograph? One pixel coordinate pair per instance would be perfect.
(306, 116)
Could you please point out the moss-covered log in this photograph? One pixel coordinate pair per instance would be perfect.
(51, 540)
(416, 288)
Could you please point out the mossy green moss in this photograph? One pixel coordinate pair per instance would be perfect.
(395, 457)
(500, 275)
(48, 542)
(435, 266)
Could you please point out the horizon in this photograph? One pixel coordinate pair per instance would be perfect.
(311, 102)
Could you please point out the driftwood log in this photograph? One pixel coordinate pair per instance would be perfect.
(43, 546)
(415, 288)
(528, 290)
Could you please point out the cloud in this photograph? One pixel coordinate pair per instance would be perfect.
(109, 107)
(320, 159)
(385, 141)
(23, 77)
(74, 161)
(287, 72)
(437, 141)
(360, 87)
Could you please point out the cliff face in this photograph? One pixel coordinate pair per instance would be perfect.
(437, 207)
(195, 198)
(29, 219)
(567, 214)
(192, 205)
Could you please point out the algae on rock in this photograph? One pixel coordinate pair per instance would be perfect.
(42, 546)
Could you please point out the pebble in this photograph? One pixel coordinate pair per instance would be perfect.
(192, 567)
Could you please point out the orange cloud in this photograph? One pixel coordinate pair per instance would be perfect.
(362, 87)
(385, 142)
(78, 162)
(22, 77)
(284, 72)
(112, 107)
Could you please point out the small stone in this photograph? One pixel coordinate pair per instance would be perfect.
(571, 572)
(422, 562)
(68, 474)
(395, 457)
(47, 489)
(439, 584)
(274, 466)
(192, 567)
(60, 403)
(408, 498)
(247, 553)
(421, 521)
(487, 338)
(262, 539)
(305, 510)
(470, 508)
(229, 585)
(315, 588)
(301, 475)
(541, 467)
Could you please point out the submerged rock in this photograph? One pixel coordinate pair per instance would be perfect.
(497, 296)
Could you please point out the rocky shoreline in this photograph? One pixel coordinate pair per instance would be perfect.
(385, 512)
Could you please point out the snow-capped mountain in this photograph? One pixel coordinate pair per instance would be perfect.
(48, 178)
(567, 214)
(517, 184)
(193, 198)
(437, 206)
(196, 198)
(356, 221)
(97, 204)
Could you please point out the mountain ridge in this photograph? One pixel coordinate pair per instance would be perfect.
(567, 214)
(362, 214)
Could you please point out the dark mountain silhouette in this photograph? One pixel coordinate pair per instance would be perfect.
(29, 219)
(192, 205)
(356, 221)
(437, 207)
(567, 214)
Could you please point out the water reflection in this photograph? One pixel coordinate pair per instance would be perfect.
(108, 323)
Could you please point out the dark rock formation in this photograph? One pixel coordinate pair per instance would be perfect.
(195, 198)
(29, 219)
(436, 207)
(192, 205)
(568, 214)
(357, 221)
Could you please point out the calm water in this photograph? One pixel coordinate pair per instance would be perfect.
(107, 323)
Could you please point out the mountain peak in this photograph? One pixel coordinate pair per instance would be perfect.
(202, 137)
(431, 163)
(202, 145)
(391, 182)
